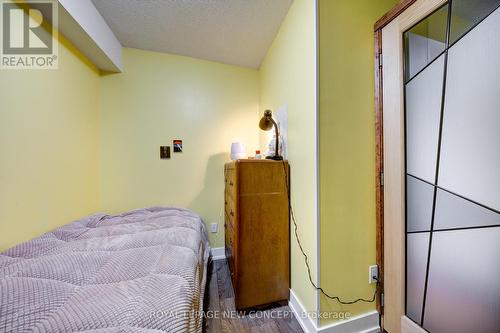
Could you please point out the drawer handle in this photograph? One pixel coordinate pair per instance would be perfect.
(231, 183)
(231, 213)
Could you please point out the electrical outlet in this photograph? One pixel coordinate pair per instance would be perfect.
(213, 228)
(373, 274)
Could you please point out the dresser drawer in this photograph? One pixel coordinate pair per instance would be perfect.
(230, 171)
(230, 188)
(230, 220)
(230, 249)
(229, 241)
(230, 207)
(230, 182)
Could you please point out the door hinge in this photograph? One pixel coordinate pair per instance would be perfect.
(382, 300)
(380, 60)
(382, 179)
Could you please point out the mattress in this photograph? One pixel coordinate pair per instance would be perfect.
(141, 271)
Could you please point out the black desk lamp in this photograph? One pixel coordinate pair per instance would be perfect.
(266, 123)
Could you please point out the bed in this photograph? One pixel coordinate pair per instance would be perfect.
(141, 271)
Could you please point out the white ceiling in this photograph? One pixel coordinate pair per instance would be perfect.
(237, 32)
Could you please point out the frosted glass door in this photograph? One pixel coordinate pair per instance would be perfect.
(452, 141)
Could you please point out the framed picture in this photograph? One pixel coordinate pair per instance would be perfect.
(177, 146)
(164, 152)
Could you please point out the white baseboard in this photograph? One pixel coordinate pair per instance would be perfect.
(218, 253)
(365, 323)
(306, 322)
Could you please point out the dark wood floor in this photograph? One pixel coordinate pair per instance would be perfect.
(219, 299)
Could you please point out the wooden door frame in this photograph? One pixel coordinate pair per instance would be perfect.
(379, 143)
(391, 242)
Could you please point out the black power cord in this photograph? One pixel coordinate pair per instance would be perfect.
(306, 259)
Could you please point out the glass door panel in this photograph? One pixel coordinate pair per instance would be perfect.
(452, 140)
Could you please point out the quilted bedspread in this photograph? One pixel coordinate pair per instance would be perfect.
(141, 271)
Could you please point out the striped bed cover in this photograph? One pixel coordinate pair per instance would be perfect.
(141, 271)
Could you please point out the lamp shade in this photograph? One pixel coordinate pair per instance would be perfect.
(266, 122)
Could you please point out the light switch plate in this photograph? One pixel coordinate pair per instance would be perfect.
(213, 227)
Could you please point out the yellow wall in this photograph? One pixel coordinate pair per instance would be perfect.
(49, 173)
(347, 149)
(72, 142)
(161, 97)
(288, 76)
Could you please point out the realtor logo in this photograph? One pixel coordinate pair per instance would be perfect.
(28, 34)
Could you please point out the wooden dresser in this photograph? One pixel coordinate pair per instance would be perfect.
(257, 231)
